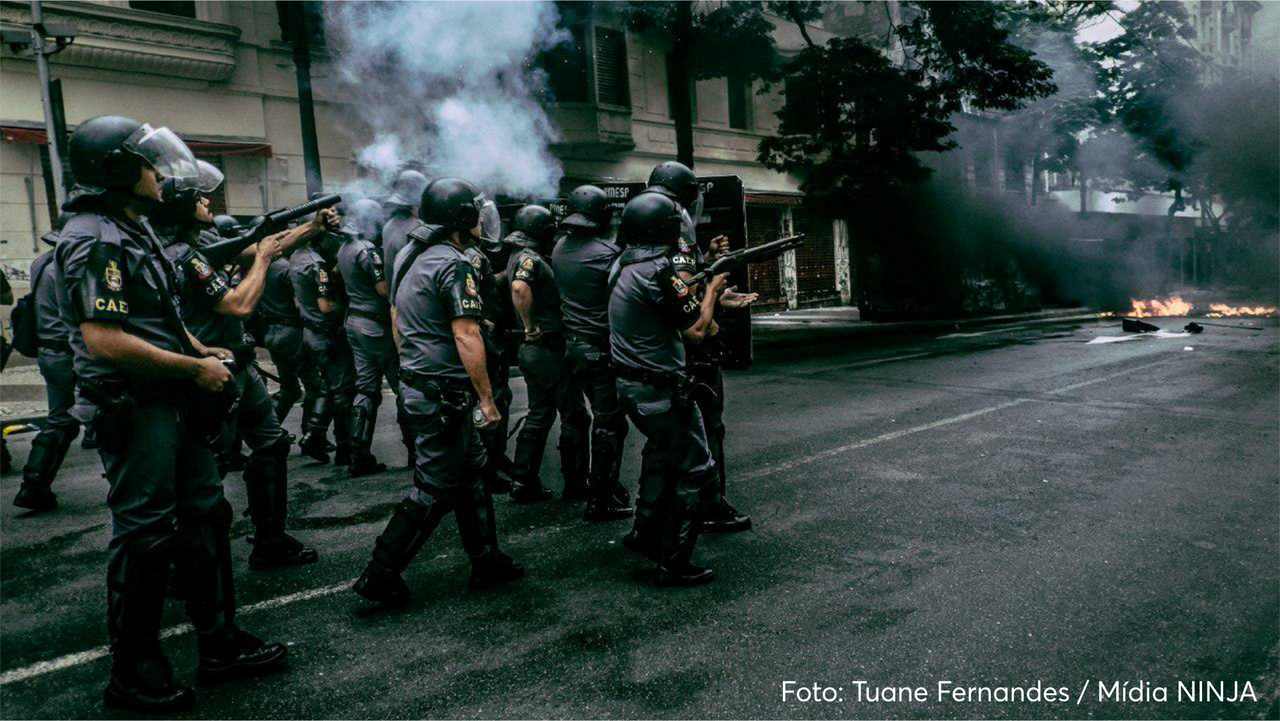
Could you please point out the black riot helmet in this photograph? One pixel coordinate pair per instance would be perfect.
(452, 203)
(227, 226)
(107, 152)
(406, 192)
(678, 179)
(650, 219)
(589, 209)
(536, 222)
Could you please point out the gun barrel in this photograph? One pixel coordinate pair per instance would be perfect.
(287, 214)
(754, 254)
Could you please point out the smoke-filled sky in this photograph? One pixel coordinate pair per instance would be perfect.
(449, 85)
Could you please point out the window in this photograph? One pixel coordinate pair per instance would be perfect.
(181, 9)
(674, 93)
(739, 102)
(566, 66)
(612, 86)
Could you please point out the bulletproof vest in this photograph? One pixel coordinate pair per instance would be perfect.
(526, 265)
(360, 264)
(309, 275)
(276, 304)
(51, 327)
(113, 270)
(200, 288)
(581, 263)
(640, 332)
(395, 235)
(439, 282)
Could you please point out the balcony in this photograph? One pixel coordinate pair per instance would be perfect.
(135, 41)
(590, 128)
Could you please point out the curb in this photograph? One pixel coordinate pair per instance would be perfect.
(811, 332)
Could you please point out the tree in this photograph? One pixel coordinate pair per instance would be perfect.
(855, 122)
(708, 40)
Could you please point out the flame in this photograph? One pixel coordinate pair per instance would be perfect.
(1222, 310)
(1172, 306)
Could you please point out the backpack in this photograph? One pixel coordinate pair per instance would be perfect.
(26, 334)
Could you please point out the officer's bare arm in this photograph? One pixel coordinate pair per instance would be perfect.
(327, 306)
(242, 299)
(109, 342)
(466, 334)
(381, 287)
(522, 299)
(706, 325)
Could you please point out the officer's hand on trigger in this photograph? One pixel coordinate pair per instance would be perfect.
(219, 353)
(717, 283)
(326, 219)
(211, 374)
(269, 247)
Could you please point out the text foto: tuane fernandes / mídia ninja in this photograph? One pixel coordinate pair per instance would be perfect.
(861, 691)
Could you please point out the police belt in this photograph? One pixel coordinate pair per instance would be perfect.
(599, 342)
(281, 320)
(658, 379)
(59, 346)
(379, 318)
(434, 385)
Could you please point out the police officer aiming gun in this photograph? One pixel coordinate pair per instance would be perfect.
(447, 397)
(652, 314)
(142, 378)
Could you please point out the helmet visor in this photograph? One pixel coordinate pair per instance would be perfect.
(490, 222)
(695, 213)
(208, 179)
(165, 152)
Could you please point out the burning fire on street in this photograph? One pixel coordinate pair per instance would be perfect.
(1175, 306)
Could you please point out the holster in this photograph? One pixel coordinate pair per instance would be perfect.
(115, 404)
(455, 399)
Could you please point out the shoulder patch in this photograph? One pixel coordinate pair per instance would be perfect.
(112, 276)
(679, 286)
(526, 263)
(202, 269)
(476, 261)
(321, 275)
(471, 286)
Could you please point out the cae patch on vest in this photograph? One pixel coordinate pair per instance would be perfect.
(471, 287)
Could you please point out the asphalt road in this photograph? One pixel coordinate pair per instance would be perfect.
(993, 509)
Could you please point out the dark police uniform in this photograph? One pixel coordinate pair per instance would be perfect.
(282, 337)
(438, 284)
(494, 327)
(368, 328)
(325, 347)
(165, 495)
(549, 390)
(395, 234)
(581, 261)
(53, 333)
(648, 309)
(201, 287)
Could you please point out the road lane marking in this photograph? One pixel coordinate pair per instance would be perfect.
(952, 420)
(77, 659)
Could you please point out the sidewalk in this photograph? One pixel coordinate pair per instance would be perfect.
(823, 325)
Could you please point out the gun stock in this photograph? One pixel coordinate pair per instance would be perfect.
(225, 251)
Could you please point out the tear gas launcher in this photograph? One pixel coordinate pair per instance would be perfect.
(224, 251)
(739, 259)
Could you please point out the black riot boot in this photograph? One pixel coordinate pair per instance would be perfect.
(226, 651)
(315, 426)
(342, 431)
(575, 464)
(409, 528)
(478, 529)
(47, 451)
(267, 488)
(676, 567)
(362, 461)
(609, 500)
(141, 677)
(715, 513)
(526, 483)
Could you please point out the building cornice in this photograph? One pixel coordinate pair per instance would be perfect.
(137, 41)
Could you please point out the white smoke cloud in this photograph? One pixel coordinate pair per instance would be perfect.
(450, 85)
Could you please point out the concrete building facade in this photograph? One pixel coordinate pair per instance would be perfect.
(221, 75)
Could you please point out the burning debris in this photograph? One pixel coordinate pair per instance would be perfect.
(1222, 310)
(1173, 306)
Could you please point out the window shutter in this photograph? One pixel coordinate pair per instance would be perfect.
(611, 67)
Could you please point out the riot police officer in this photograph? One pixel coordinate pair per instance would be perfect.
(317, 288)
(402, 212)
(536, 300)
(213, 310)
(652, 314)
(368, 327)
(446, 394)
(143, 381)
(677, 182)
(56, 366)
(584, 253)
(282, 337)
(494, 326)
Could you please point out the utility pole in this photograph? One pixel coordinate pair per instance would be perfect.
(54, 127)
(295, 19)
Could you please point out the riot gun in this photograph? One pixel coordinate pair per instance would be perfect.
(737, 260)
(225, 251)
